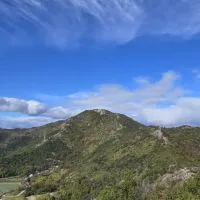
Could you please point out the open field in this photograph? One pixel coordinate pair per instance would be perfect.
(8, 185)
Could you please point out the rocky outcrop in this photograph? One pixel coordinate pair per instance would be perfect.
(180, 175)
(160, 136)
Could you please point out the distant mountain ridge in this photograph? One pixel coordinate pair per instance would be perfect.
(109, 154)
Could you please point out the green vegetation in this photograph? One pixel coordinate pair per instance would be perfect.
(104, 156)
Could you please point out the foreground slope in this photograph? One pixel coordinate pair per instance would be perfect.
(103, 155)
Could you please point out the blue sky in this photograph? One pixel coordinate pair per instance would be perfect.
(140, 58)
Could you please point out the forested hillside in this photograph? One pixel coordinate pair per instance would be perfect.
(104, 156)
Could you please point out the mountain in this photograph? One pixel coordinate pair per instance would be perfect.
(104, 156)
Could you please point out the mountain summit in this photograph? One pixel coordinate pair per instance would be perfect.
(103, 155)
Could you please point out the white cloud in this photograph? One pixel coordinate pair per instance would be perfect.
(65, 23)
(33, 107)
(19, 105)
(186, 111)
(116, 96)
(161, 102)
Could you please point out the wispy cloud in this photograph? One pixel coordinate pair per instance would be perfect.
(65, 23)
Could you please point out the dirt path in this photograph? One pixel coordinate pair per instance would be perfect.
(22, 192)
(18, 195)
